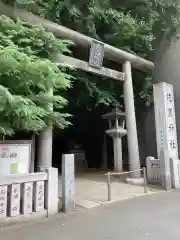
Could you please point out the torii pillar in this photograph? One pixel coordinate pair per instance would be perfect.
(133, 148)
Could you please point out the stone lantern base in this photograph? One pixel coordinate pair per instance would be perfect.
(117, 134)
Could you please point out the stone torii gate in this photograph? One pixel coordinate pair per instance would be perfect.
(111, 53)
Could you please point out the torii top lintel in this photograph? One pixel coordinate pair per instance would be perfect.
(60, 31)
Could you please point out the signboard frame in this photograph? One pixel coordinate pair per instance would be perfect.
(14, 167)
(96, 58)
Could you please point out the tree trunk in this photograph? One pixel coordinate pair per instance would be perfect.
(45, 143)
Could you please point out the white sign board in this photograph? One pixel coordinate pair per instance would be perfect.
(14, 158)
(166, 134)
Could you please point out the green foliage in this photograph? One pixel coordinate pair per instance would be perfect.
(133, 25)
(26, 78)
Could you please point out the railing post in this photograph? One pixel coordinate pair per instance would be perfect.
(109, 186)
(15, 191)
(3, 202)
(27, 198)
(145, 180)
(68, 183)
(39, 196)
(174, 167)
(150, 173)
(51, 191)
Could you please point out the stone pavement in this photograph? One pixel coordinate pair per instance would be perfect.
(152, 217)
(91, 189)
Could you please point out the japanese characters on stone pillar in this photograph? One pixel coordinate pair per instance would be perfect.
(166, 135)
(15, 200)
(165, 119)
(68, 182)
(3, 202)
(39, 196)
(27, 203)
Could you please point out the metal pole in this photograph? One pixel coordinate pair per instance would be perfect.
(145, 180)
(109, 186)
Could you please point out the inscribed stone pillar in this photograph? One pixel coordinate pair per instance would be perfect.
(165, 169)
(133, 149)
(68, 182)
(166, 134)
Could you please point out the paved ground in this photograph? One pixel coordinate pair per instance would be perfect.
(153, 217)
(91, 189)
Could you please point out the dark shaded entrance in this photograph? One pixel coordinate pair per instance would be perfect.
(87, 132)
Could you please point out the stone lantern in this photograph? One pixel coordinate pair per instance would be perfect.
(116, 119)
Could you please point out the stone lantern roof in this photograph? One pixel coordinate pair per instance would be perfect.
(116, 113)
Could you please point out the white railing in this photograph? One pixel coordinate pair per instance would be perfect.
(153, 170)
(109, 174)
(27, 196)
